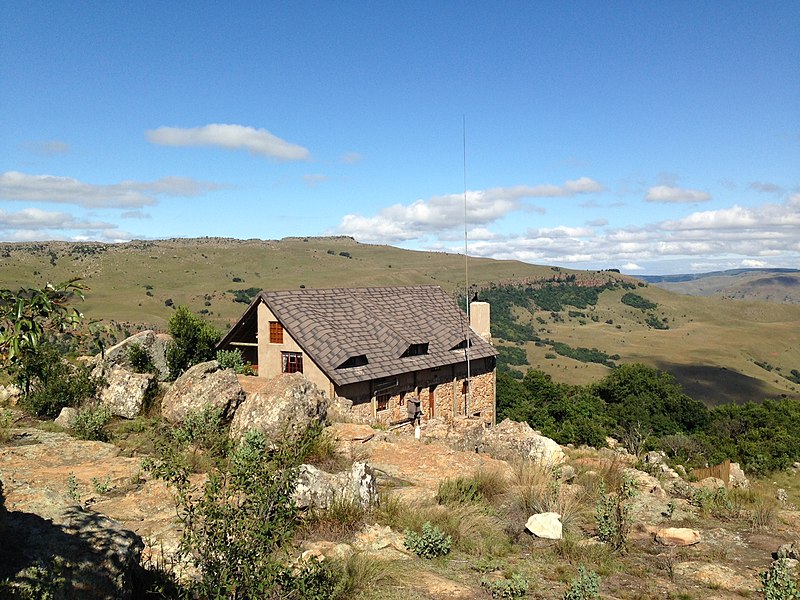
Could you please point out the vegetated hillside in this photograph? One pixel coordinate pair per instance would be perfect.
(571, 324)
(718, 350)
(771, 285)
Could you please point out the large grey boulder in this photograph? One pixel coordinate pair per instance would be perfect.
(126, 392)
(64, 418)
(317, 489)
(285, 406)
(155, 344)
(203, 385)
(511, 439)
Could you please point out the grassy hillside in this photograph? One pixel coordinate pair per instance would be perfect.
(720, 350)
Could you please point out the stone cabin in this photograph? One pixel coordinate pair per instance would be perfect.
(377, 347)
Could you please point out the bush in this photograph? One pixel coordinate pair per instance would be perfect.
(237, 527)
(52, 383)
(90, 423)
(193, 341)
(430, 543)
(514, 587)
(778, 583)
(586, 586)
(140, 360)
(233, 359)
(613, 514)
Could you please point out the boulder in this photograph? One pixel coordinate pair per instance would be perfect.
(510, 439)
(382, 543)
(9, 394)
(677, 536)
(646, 484)
(202, 385)
(64, 418)
(155, 344)
(545, 525)
(317, 489)
(737, 478)
(790, 550)
(463, 434)
(126, 392)
(286, 405)
(710, 483)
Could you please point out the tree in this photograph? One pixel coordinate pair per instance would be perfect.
(31, 317)
(193, 341)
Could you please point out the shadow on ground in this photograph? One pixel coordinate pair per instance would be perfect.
(717, 385)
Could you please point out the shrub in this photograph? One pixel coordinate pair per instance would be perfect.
(430, 543)
(613, 514)
(193, 341)
(233, 359)
(778, 583)
(237, 527)
(90, 423)
(52, 383)
(515, 586)
(140, 359)
(586, 586)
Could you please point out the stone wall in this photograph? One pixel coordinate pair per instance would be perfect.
(441, 393)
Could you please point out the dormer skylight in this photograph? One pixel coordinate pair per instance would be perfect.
(462, 345)
(415, 350)
(359, 360)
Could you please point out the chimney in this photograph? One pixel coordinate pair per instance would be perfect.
(480, 319)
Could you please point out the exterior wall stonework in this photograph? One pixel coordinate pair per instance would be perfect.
(445, 386)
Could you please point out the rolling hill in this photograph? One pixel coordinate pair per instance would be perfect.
(574, 324)
(771, 285)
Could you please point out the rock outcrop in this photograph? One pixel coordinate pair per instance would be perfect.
(510, 439)
(155, 344)
(201, 386)
(126, 392)
(317, 489)
(285, 405)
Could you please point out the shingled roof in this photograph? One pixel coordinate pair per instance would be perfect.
(383, 331)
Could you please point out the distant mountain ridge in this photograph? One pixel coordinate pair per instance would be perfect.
(693, 276)
(770, 285)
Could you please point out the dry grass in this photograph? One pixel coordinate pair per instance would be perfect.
(473, 528)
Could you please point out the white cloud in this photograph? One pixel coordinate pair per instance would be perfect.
(403, 222)
(749, 263)
(33, 218)
(725, 238)
(597, 222)
(671, 194)
(230, 137)
(66, 190)
(631, 267)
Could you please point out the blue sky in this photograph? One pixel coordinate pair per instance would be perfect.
(654, 137)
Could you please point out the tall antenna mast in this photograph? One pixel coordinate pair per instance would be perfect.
(466, 269)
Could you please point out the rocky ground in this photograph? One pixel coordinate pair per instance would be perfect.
(88, 505)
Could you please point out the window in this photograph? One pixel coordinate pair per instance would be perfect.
(275, 332)
(382, 402)
(354, 361)
(292, 362)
